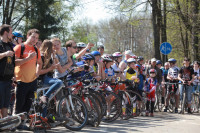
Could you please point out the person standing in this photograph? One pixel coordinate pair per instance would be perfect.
(7, 65)
(186, 76)
(28, 65)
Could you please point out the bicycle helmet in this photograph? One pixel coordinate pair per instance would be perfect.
(158, 62)
(152, 71)
(81, 45)
(95, 53)
(117, 54)
(172, 60)
(130, 60)
(17, 34)
(87, 57)
(100, 46)
(140, 58)
(106, 58)
(93, 58)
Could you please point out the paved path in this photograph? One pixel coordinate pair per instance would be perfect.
(160, 123)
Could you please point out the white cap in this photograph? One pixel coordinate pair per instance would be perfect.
(129, 52)
(153, 59)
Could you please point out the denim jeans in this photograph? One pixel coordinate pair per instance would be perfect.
(188, 91)
(196, 88)
(54, 85)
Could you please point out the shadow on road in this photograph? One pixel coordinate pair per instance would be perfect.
(124, 126)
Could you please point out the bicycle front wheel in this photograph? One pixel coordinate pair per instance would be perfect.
(76, 113)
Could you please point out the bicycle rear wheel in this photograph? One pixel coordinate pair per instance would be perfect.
(114, 106)
(195, 103)
(77, 117)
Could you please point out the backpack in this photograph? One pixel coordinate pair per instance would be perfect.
(7, 65)
(23, 48)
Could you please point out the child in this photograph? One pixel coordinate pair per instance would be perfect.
(131, 73)
(150, 87)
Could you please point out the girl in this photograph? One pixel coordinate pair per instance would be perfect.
(48, 59)
(150, 88)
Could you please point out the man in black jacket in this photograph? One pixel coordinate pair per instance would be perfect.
(7, 64)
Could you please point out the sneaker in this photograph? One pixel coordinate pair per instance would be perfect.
(151, 114)
(44, 99)
(23, 127)
(165, 110)
(176, 110)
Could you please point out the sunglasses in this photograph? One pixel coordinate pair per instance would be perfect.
(75, 47)
(186, 60)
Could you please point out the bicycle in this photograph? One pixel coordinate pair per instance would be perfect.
(184, 100)
(195, 104)
(11, 122)
(171, 97)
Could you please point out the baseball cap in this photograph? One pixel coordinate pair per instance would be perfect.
(129, 52)
(153, 59)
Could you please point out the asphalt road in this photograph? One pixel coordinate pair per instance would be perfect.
(160, 123)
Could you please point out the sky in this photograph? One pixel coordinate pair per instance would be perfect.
(93, 10)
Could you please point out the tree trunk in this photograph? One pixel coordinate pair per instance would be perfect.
(195, 29)
(164, 28)
(156, 19)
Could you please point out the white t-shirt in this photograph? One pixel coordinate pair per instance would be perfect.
(197, 73)
(115, 67)
(173, 71)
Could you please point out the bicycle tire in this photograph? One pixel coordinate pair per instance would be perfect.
(98, 102)
(159, 99)
(94, 116)
(172, 103)
(183, 104)
(9, 122)
(79, 113)
(116, 106)
(103, 102)
(195, 103)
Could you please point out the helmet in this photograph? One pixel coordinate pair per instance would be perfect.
(130, 60)
(158, 62)
(140, 58)
(17, 34)
(152, 71)
(88, 57)
(117, 54)
(81, 45)
(172, 60)
(92, 56)
(134, 56)
(100, 46)
(95, 53)
(106, 58)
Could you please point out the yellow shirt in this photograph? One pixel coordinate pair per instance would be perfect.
(129, 76)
